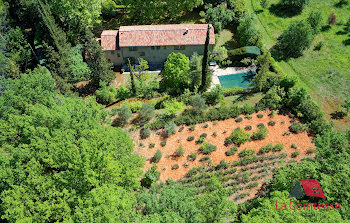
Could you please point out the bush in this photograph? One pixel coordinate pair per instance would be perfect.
(198, 103)
(260, 125)
(239, 119)
(215, 95)
(310, 151)
(192, 157)
(282, 122)
(180, 151)
(272, 123)
(146, 112)
(246, 153)
(259, 115)
(215, 133)
(219, 16)
(248, 117)
(272, 114)
(200, 140)
(295, 154)
(296, 5)
(278, 147)
(181, 129)
(190, 138)
(175, 166)
(287, 133)
(170, 128)
(163, 143)
(252, 185)
(297, 127)
(222, 165)
(192, 128)
(205, 126)
(135, 106)
(205, 159)
(141, 144)
(248, 127)
(231, 151)
(203, 135)
(106, 94)
(260, 134)
(207, 148)
(239, 136)
(248, 31)
(124, 113)
(157, 156)
(186, 165)
(266, 149)
(145, 133)
(215, 122)
(152, 145)
(294, 146)
(233, 91)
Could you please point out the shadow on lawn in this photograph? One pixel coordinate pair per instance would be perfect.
(283, 11)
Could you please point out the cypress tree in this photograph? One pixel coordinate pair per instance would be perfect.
(205, 66)
(133, 89)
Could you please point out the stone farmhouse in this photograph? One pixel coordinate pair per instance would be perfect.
(154, 42)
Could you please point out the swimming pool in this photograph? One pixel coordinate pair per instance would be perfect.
(236, 80)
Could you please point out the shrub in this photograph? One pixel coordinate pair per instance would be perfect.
(222, 165)
(297, 127)
(146, 112)
(135, 106)
(239, 119)
(180, 151)
(278, 147)
(233, 91)
(248, 110)
(287, 133)
(192, 157)
(145, 133)
(198, 104)
(294, 146)
(124, 113)
(259, 115)
(246, 153)
(272, 123)
(157, 156)
(205, 126)
(239, 136)
(163, 143)
(141, 144)
(203, 135)
(231, 151)
(272, 114)
(295, 154)
(248, 117)
(186, 165)
(106, 94)
(215, 133)
(192, 128)
(260, 125)
(282, 122)
(181, 129)
(252, 185)
(170, 128)
(248, 127)
(207, 148)
(310, 151)
(152, 145)
(260, 134)
(219, 16)
(215, 122)
(200, 140)
(266, 149)
(190, 138)
(175, 166)
(205, 159)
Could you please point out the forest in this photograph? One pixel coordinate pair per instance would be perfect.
(74, 147)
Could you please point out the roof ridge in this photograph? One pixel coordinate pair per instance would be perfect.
(137, 30)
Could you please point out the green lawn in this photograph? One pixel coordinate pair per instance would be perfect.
(325, 73)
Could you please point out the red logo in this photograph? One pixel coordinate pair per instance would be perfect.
(312, 188)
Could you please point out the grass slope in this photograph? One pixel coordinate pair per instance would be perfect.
(325, 73)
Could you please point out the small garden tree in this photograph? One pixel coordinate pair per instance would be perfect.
(315, 21)
(296, 5)
(146, 112)
(198, 103)
(218, 16)
(124, 113)
(239, 136)
(157, 156)
(170, 128)
(248, 31)
(295, 39)
(151, 176)
(175, 74)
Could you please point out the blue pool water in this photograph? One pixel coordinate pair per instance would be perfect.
(236, 80)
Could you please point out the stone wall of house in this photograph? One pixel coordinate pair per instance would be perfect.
(154, 55)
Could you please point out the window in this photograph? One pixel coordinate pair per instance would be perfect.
(152, 47)
(179, 47)
(132, 48)
(158, 47)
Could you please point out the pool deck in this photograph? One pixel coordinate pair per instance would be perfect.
(216, 71)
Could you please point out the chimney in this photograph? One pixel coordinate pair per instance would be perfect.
(186, 31)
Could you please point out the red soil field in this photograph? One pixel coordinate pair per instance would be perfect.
(223, 128)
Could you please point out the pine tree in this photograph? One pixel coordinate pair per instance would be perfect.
(205, 66)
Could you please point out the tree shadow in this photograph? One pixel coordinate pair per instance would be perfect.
(283, 11)
(337, 115)
(325, 28)
(346, 42)
(258, 11)
(340, 4)
(341, 32)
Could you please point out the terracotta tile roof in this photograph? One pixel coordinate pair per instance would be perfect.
(164, 35)
(109, 39)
